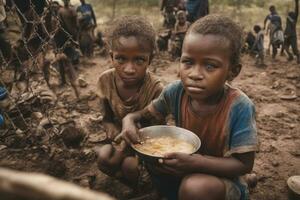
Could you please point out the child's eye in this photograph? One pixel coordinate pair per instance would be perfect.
(210, 66)
(120, 60)
(187, 62)
(140, 61)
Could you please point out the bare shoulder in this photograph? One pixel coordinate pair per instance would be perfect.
(106, 77)
(61, 10)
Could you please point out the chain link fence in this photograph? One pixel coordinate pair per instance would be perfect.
(32, 37)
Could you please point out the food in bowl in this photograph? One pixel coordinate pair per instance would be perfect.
(159, 146)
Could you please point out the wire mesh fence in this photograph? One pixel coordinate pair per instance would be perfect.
(29, 31)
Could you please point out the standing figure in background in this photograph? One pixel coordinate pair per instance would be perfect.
(196, 9)
(258, 46)
(168, 8)
(67, 37)
(181, 27)
(276, 34)
(290, 33)
(87, 24)
(86, 14)
(66, 40)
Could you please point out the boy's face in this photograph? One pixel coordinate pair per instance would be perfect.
(130, 60)
(204, 65)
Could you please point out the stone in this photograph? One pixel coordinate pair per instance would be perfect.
(72, 136)
(82, 83)
(37, 115)
(19, 131)
(96, 119)
(275, 163)
(292, 75)
(92, 95)
(44, 122)
(2, 147)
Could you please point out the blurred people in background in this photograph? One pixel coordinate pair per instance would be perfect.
(196, 9)
(181, 27)
(86, 14)
(276, 34)
(67, 37)
(249, 42)
(290, 33)
(163, 38)
(66, 40)
(168, 9)
(258, 46)
(87, 24)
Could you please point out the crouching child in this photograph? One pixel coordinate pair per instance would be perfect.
(203, 102)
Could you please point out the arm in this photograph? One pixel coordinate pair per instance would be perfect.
(129, 127)
(93, 16)
(280, 23)
(182, 164)
(237, 165)
(239, 157)
(176, 28)
(265, 21)
(108, 120)
(157, 110)
(75, 24)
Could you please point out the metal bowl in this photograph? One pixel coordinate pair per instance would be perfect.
(170, 131)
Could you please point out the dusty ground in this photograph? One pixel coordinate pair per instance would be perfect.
(44, 149)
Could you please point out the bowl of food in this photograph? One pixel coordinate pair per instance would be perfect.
(156, 141)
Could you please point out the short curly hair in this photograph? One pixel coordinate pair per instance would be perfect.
(224, 27)
(136, 26)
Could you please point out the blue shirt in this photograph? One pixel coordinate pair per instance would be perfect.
(230, 129)
(87, 13)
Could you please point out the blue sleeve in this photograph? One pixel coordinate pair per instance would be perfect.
(166, 103)
(243, 133)
(90, 7)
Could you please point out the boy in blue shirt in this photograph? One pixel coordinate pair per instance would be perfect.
(275, 28)
(86, 13)
(87, 24)
(222, 116)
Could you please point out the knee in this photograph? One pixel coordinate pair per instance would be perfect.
(130, 169)
(130, 165)
(201, 187)
(104, 155)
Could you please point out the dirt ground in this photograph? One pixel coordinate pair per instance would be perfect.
(42, 146)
